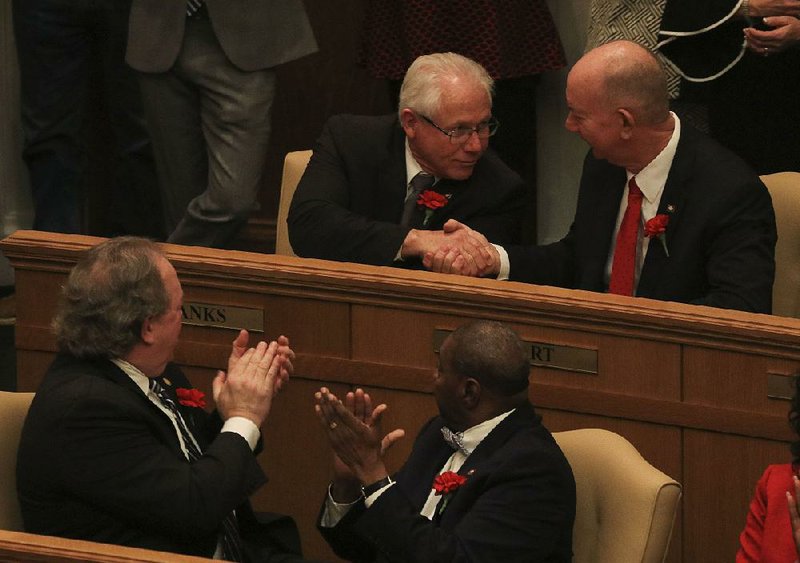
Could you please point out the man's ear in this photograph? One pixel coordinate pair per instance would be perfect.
(147, 332)
(409, 121)
(628, 123)
(471, 392)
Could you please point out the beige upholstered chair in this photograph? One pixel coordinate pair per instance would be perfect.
(13, 408)
(784, 187)
(293, 167)
(625, 506)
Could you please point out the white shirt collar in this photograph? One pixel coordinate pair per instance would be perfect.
(652, 178)
(136, 375)
(474, 436)
(412, 166)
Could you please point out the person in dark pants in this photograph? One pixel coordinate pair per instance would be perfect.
(60, 44)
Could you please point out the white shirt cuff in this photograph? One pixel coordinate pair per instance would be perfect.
(245, 428)
(505, 266)
(334, 511)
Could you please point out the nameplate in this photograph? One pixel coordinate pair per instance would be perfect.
(223, 316)
(780, 386)
(546, 354)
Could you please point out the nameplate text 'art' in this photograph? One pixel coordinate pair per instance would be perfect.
(546, 354)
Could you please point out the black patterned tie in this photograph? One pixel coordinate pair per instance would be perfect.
(455, 440)
(193, 6)
(419, 184)
(231, 540)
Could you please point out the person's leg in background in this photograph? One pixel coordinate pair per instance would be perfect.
(134, 202)
(235, 115)
(53, 49)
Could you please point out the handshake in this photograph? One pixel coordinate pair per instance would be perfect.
(456, 249)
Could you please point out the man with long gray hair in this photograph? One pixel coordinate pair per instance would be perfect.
(379, 189)
(117, 447)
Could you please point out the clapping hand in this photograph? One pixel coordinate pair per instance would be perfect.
(353, 429)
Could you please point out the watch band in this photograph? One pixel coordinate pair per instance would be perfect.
(367, 490)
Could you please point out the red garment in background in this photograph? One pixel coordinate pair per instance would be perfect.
(767, 534)
(510, 38)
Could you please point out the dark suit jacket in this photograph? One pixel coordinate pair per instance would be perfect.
(254, 34)
(721, 233)
(518, 503)
(349, 202)
(98, 461)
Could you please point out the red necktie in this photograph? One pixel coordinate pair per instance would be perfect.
(623, 269)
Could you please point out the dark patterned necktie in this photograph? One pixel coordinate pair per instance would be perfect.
(455, 440)
(419, 184)
(193, 6)
(231, 540)
(623, 268)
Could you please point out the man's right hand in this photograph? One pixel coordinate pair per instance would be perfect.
(475, 256)
(253, 378)
(469, 251)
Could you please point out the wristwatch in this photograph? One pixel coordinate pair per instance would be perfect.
(367, 490)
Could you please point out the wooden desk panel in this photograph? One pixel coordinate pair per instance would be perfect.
(686, 385)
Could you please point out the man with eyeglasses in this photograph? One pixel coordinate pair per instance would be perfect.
(378, 189)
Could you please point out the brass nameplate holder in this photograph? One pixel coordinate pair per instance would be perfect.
(780, 386)
(223, 316)
(545, 354)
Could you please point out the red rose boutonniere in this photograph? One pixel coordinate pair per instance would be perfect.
(191, 397)
(446, 483)
(431, 201)
(657, 227)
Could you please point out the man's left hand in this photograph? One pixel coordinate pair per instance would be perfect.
(784, 35)
(354, 432)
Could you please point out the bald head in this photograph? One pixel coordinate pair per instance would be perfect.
(625, 74)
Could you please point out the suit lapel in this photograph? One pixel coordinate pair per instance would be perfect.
(392, 177)
(427, 458)
(524, 416)
(167, 431)
(602, 204)
(673, 203)
(521, 417)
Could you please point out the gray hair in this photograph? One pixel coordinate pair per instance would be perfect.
(492, 353)
(425, 79)
(107, 297)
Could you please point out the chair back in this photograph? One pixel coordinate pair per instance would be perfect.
(293, 167)
(13, 409)
(625, 507)
(784, 187)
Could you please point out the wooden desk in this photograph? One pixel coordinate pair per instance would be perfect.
(686, 385)
(19, 547)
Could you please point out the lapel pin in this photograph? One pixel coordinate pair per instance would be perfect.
(670, 208)
(470, 472)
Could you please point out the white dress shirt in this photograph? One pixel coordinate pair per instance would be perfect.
(651, 181)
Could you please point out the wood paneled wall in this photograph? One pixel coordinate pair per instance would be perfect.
(686, 385)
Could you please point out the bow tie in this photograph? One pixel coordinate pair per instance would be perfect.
(455, 440)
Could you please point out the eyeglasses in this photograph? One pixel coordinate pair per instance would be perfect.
(460, 135)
